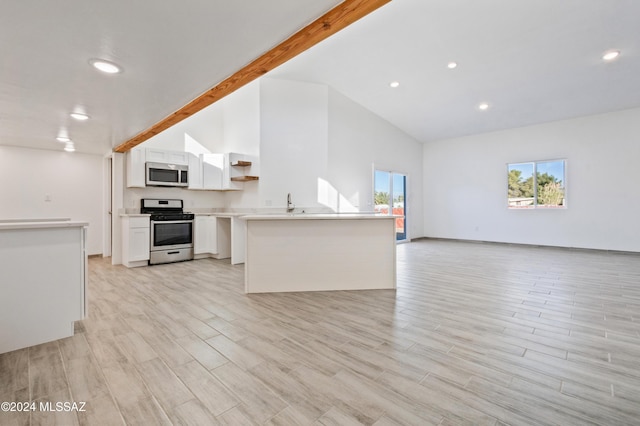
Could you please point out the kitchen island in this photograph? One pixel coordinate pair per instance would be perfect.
(319, 252)
(43, 280)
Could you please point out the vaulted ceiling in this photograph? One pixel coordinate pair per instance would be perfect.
(532, 61)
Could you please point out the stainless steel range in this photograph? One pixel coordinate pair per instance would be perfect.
(171, 230)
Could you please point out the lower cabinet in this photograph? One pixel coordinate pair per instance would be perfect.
(135, 241)
(205, 235)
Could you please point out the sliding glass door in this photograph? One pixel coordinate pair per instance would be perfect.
(390, 197)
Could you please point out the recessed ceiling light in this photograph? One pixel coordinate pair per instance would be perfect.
(452, 65)
(394, 84)
(69, 147)
(105, 66)
(611, 55)
(79, 116)
(483, 106)
(63, 139)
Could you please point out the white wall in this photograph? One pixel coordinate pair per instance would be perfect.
(73, 183)
(321, 147)
(191, 198)
(241, 134)
(293, 143)
(359, 140)
(465, 184)
(204, 128)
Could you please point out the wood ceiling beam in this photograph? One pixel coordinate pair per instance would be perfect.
(328, 24)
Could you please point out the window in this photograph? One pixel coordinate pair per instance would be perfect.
(538, 184)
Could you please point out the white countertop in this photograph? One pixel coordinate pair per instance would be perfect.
(281, 216)
(316, 216)
(221, 214)
(40, 219)
(45, 224)
(217, 214)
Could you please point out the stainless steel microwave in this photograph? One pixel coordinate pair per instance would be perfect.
(164, 174)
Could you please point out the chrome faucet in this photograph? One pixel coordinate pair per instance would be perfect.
(290, 205)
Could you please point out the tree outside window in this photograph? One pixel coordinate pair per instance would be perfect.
(538, 184)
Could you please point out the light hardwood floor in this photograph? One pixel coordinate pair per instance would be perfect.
(475, 334)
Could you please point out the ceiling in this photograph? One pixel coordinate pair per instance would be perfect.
(171, 51)
(532, 61)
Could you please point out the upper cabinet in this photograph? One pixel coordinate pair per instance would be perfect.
(135, 168)
(170, 157)
(212, 166)
(195, 172)
(213, 172)
(205, 171)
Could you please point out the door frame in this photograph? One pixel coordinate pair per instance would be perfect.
(107, 223)
(392, 171)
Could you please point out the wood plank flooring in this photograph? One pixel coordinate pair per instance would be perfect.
(477, 334)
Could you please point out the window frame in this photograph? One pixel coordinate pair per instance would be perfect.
(535, 205)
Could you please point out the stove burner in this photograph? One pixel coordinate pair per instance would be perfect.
(164, 210)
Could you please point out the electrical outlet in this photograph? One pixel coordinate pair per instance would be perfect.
(47, 198)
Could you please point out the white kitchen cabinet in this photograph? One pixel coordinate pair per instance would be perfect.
(195, 172)
(164, 156)
(135, 168)
(205, 171)
(205, 235)
(135, 240)
(212, 170)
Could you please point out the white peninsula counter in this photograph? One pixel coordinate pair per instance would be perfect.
(43, 268)
(319, 252)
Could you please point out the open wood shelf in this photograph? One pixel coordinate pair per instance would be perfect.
(244, 178)
(241, 163)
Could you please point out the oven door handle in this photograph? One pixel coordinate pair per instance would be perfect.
(171, 221)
